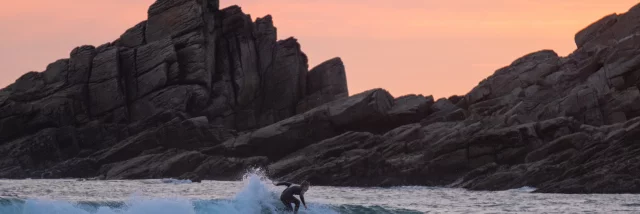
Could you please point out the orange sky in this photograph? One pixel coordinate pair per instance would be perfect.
(417, 46)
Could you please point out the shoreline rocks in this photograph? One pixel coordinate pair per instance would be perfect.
(197, 92)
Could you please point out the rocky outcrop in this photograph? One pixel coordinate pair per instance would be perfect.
(279, 139)
(196, 92)
(188, 61)
(562, 124)
(610, 29)
(326, 82)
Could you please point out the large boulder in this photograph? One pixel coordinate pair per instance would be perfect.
(609, 29)
(595, 29)
(325, 83)
(172, 18)
(409, 109)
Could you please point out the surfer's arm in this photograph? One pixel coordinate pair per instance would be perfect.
(302, 199)
(283, 183)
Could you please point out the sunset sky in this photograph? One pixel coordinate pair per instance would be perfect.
(430, 47)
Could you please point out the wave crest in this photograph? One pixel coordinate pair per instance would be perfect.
(255, 197)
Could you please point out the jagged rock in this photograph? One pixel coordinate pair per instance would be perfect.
(409, 109)
(329, 74)
(443, 111)
(266, 36)
(573, 141)
(287, 83)
(342, 160)
(40, 150)
(80, 64)
(105, 96)
(27, 86)
(105, 66)
(56, 72)
(172, 163)
(95, 136)
(170, 21)
(192, 64)
(153, 54)
(610, 29)
(281, 138)
(196, 92)
(151, 81)
(522, 73)
(325, 83)
(33, 86)
(188, 58)
(595, 29)
(237, 28)
(134, 36)
(178, 132)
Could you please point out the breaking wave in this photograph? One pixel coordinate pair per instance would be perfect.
(255, 197)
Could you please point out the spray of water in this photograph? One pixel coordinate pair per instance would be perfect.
(258, 195)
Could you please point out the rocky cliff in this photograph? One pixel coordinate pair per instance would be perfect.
(206, 93)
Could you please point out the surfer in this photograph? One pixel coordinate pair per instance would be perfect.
(287, 195)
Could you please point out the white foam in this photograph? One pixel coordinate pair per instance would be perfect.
(175, 181)
(524, 189)
(258, 195)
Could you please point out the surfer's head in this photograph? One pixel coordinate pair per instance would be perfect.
(305, 186)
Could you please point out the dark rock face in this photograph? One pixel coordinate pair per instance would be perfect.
(187, 78)
(281, 138)
(196, 92)
(341, 160)
(326, 82)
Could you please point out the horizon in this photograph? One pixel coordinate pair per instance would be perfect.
(427, 47)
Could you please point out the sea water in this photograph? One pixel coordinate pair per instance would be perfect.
(256, 194)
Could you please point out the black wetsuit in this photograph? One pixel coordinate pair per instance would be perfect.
(287, 196)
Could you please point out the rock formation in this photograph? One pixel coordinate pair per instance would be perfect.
(190, 76)
(199, 92)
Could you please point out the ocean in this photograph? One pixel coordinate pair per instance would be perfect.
(257, 194)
